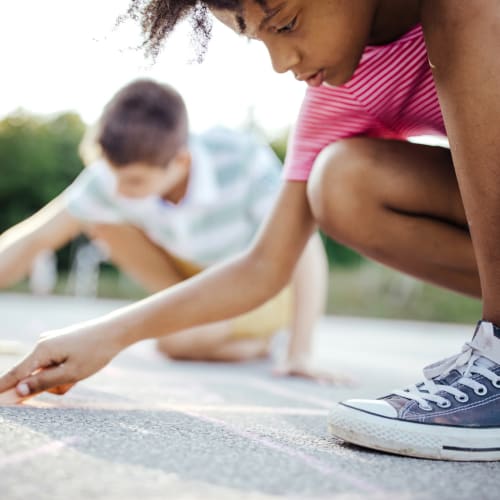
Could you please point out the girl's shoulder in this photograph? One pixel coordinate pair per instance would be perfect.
(411, 40)
(415, 33)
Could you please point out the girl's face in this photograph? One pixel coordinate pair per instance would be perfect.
(319, 41)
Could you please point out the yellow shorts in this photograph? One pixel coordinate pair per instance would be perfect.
(263, 321)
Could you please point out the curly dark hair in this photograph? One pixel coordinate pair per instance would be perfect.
(158, 18)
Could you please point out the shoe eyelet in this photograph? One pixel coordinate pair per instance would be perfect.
(462, 398)
(444, 404)
(481, 391)
(425, 408)
(496, 383)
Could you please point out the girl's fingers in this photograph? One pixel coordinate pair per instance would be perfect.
(22, 370)
(10, 398)
(60, 389)
(49, 378)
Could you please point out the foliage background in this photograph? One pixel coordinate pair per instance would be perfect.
(39, 158)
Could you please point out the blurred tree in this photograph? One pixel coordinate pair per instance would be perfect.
(38, 159)
(337, 253)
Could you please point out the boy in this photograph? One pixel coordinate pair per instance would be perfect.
(166, 205)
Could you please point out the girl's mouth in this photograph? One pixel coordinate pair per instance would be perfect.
(317, 79)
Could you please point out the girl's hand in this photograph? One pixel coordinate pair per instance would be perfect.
(59, 360)
(306, 369)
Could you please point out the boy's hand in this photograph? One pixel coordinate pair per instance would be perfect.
(306, 369)
(58, 361)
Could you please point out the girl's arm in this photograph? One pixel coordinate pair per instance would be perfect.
(48, 229)
(71, 354)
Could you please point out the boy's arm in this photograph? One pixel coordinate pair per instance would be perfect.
(309, 288)
(49, 228)
(221, 292)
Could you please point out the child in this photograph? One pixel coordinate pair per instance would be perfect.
(165, 206)
(374, 81)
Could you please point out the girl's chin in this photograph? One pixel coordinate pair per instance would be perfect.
(328, 84)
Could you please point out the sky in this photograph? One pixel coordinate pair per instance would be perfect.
(60, 55)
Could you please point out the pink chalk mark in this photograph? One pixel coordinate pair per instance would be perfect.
(287, 393)
(314, 463)
(246, 409)
(47, 449)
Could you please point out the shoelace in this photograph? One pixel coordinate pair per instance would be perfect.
(466, 363)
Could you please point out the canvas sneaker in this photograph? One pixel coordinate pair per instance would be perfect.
(454, 414)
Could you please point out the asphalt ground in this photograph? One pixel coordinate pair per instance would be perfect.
(148, 428)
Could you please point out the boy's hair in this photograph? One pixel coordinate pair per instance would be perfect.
(145, 122)
(159, 17)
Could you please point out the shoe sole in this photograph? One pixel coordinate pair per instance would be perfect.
(439, 442)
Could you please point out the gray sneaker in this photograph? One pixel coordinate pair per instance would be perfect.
(454, 414)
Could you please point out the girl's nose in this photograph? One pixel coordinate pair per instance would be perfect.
(283, 59)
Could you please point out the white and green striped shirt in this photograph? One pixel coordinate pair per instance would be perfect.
(233, 183)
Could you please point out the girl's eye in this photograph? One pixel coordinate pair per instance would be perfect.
(289, 27)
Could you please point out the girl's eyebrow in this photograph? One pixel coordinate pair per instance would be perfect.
(270, 14)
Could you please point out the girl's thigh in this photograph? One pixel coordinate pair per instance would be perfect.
(399, 175)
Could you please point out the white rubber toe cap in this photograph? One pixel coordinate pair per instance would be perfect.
(376, 406)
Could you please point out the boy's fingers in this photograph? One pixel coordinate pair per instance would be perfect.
(44, 380)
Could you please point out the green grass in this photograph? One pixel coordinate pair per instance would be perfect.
(375, 291)
(368, 290)
(112, 284)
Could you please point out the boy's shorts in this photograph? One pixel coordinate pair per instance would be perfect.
(263, 321)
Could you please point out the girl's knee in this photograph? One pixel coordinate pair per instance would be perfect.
(339, 186)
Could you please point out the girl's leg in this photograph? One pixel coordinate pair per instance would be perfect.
(463, 41)
(398, 203)
(153, 268)
(455, 414)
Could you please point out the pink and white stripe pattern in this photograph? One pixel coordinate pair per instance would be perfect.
(391, 95)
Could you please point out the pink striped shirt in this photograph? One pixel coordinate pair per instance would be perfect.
(391, 95)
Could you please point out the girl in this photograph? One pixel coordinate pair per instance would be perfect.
(373, 82)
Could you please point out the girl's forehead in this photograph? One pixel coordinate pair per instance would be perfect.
(227, 17)
(251, 17)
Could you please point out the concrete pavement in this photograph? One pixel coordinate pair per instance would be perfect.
(145, 428)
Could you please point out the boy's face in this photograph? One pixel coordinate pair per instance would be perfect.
(139, 180)
(319, 41)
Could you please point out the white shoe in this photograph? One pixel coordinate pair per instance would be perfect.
(453, 415)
